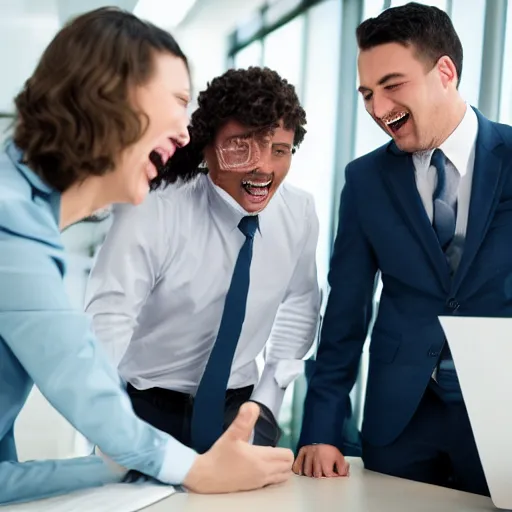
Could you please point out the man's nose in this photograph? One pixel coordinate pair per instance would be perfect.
(264, 164)
(381, 106)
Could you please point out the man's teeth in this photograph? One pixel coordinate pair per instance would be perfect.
(396, 118)
(256, 184)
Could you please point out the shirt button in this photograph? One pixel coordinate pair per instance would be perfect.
(433, 353)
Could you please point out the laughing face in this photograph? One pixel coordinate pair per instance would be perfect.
(250, 164)
(162, 103)
(408, 98)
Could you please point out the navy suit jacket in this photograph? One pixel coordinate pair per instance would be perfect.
(383, 227)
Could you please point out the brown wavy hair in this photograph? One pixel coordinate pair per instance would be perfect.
(255, 97)
(73, 114)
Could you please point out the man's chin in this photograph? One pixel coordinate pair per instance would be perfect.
(254, 206)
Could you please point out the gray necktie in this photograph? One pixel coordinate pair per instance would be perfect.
(444, 221)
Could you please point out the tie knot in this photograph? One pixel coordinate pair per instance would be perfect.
(248, 225)
(438, 160)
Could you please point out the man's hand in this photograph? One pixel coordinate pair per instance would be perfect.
(320, 460)
(232, 464)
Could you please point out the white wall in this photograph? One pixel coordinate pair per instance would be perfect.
(204, 36)
(23, 36)
(26, 28)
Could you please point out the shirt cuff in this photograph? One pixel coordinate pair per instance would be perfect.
(178, 460)
(276, 377)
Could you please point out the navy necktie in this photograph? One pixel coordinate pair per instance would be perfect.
(208, 412)
(444, 221)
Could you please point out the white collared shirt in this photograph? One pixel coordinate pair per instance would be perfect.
(459, 149)
(157, 290)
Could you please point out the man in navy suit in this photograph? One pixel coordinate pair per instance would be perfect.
(432, 213)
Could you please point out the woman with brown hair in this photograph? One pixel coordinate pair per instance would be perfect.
(104, 109)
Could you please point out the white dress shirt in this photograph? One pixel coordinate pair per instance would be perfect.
(157, 290)
(459, 149)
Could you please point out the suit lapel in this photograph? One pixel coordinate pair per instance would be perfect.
(399, 177)
(486, 178)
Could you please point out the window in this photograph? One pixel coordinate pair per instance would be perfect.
(251, 55)
(313, 166)
(440, 4)
(506, 84)
(468, 19)
(283, 51)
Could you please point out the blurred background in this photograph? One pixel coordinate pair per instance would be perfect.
(310, 43)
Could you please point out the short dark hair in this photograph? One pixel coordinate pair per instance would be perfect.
(255, 97)
(74, 114)
(429, 29)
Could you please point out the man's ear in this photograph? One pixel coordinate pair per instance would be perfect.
(447, 72)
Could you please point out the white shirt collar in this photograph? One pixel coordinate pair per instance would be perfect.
(459, 146)
(224, 205)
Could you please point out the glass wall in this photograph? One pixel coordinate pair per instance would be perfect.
(307, 50)
(506, 84)
(283, 51)
(251, 55)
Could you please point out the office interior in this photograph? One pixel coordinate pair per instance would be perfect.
(312, 44)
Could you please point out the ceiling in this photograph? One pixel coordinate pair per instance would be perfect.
(27, 27)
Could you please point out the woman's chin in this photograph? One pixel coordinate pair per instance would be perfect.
(139, 195)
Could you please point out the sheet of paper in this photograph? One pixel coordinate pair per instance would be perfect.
(109, 498)
(482, 353)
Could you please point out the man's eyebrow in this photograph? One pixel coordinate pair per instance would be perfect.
(382, 81)
(242, 135)
(388, 77)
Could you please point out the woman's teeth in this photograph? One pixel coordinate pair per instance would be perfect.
(151, 171)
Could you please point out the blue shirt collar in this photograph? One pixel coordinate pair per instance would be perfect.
(16, 156)
(39, 187)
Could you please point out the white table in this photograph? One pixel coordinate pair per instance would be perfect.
(362, 491)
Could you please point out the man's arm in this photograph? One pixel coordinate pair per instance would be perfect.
(295, 324)
(349, 309)
(126, 270)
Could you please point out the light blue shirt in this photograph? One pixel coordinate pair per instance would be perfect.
(43, 340)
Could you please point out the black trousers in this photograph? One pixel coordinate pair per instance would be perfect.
(171, 412)
(437, 447)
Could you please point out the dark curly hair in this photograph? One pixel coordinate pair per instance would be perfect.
(255, 97)
(73, 114)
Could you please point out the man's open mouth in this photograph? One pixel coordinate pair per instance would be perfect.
(259, 189)
(397, 121)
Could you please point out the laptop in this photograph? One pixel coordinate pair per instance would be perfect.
(482, 354)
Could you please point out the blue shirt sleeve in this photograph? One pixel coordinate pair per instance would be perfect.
(33, 480)
(55, 345)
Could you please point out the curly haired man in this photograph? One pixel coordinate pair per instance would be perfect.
(190, 287)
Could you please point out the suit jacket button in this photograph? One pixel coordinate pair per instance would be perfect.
(453, 304)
